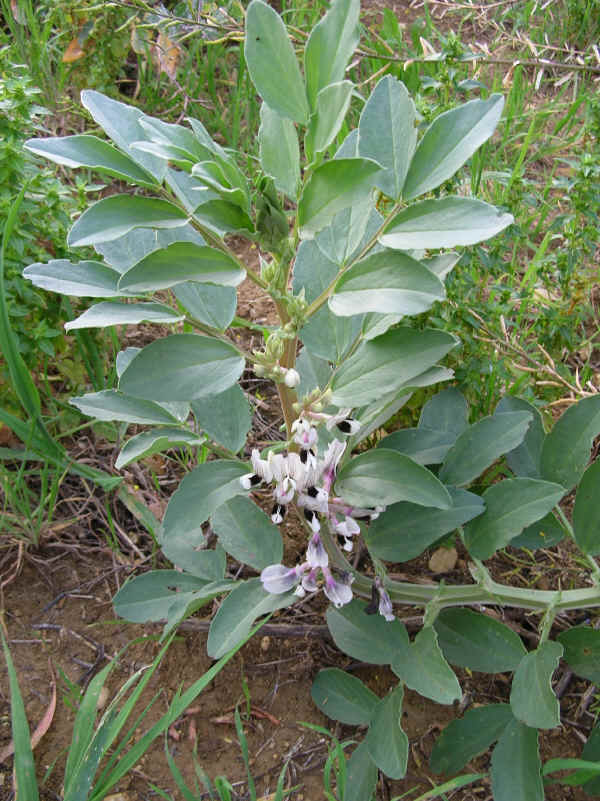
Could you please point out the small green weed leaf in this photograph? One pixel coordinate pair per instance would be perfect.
(532, 698)
(330, 46)
(122, 123)
(586, 512)
(89, 151)
(148, 597)
(225, 417)
(566, 450)
(386, 282)
(516, 769)
(422, 445)
(238, 612)
(361, 776)
(478, 642)
(386, 741)
(444, 223)
(387, 133)
(116, 215)
(332, 187)
(180, 262)
(101, 315)
(84, 279)
(272, 63)
(464, 739)
(279, 151)
(182, 367)
(332, 105)
(343, 697)
(109, 404)
(369, 638)
(380, 477)
(582, 651)
(156, 441)
(525, 459)
(481, 444)
(247, 534)
(543, 533)
(406, 529)
(446, 411)
(511, 506)
(200, 493)
(450, 140)
(425, 670)
(391, 361)
(210, 304)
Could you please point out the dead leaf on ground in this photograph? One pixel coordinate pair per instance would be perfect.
(443, 560)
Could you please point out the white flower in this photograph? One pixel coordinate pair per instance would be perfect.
(343, 421)
(328, 465)
(284, 492)
(309, 580)
(291, 378)
(315, 498)
(316, 555)
(305, 435)
(261, 466)
(338, 592)
(278, 514)
(279, 578)
(385, 607)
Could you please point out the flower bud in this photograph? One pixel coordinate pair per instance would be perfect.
(291, 378)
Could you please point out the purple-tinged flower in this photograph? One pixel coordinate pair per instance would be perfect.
(316, 555)
(313, 521)
(338, 592)
(279, 578)
(315, 498)
(330, 461)
(284, 492)
(347, 529)
(380, 601)
(305, 434)
(309, 580)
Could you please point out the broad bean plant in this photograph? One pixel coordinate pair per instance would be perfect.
(352, 228)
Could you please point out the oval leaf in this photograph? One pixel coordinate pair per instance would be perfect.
(182, 367)
(525, 459)
(102, 315)
(566, 449)
(210, 304)
(532, 698)
(386, 741)
(84, 279)
(332, 105)
(464, 739)
(343, 697)
(422, 445)
(247, 534)
(444, 223)
(381, 477)
(157, 441)
(361, 775)
(446, 411)
(279, 151)
(425, 670)
(478, 642)
(582, 651)
(109, 404)
(148, 597)
(225, 417)
(586, 513)
(369, 638)
(543, 533)
(516, 769)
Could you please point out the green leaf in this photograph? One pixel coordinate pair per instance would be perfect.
(511, 506)
(389, 361)
(591, 751)
(525, 459)
(219, 176)
(441, 264)
(176, 136)
(386, 282)
(101, 315)
(478, 642)
(84, 279)
(330, 46)
(225, 417)
(127, 250)
(200, 493)
(464, 739)
(343, 697)
(532, 698)
(238, 612)
(566, 449)
(113, 216)
(422, 445)
(210, 304)
(156, 441)
(247, 534)
(361, 775)
(331, 108)
(182, 367)
(405, 529)
(446, 411)
(388, 134)
(481, 444)
(314, 372)
(122, 123)
(586, 512)
(444, 223)
(147, 597)
(386, 741)
(333, 186)
(272, 63)
(89, 151)
(109, 404)
(349, 231)
(450, 140)
(223, 217)
(516, 769)
(279, 151)
(381, 477)
(425, 670)
(543, 533)
(180, 262)
(24, 766)
(582, 651)
(368, 638)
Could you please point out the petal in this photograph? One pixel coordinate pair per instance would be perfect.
(279, 578)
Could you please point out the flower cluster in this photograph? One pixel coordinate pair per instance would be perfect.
(308, 480)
